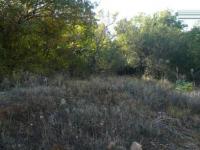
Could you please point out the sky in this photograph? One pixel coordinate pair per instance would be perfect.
(130, 8)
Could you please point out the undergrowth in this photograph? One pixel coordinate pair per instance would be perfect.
(90, 114)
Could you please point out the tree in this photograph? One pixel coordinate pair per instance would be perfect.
(102, 40)
(35, 32)
(192, 40)
(148, 41)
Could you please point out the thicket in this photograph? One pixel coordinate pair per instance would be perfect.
(45, 37)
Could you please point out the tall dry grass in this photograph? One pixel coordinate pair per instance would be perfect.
(90, 114)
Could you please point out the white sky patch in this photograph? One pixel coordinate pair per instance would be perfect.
(130, 8)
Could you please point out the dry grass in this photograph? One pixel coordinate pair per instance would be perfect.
(91, 114)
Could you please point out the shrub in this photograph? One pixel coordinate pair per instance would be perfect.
(182, 85)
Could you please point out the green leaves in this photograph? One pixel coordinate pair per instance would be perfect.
(45, 36)
(184, 86)
(32, 31)
(149, 41)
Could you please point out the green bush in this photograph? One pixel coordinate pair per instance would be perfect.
(182, 85)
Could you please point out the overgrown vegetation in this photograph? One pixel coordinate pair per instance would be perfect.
(46, 37)
(184, 86)
(89, 114)
(50, 51)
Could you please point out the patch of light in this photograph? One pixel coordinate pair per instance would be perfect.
(130, 8)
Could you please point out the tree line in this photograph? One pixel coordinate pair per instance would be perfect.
(50, 36)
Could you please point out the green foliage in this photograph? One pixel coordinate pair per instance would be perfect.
(193, 44)
(150, 41)
(46, 37)
(184, 86)
(36, 36)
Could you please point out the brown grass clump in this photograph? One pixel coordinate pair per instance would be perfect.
(89, 114)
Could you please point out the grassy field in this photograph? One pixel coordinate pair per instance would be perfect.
(90, 114)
